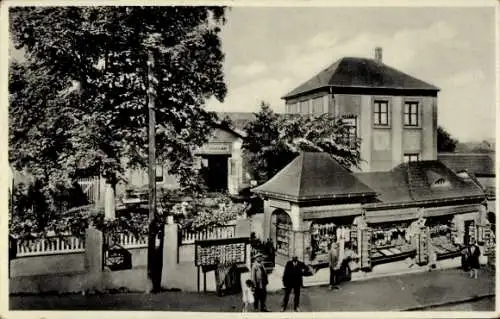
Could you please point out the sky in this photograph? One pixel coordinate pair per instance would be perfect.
(270, 51)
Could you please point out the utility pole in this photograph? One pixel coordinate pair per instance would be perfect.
(154, 265)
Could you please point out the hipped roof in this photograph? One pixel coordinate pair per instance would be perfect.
(352, 72)
(313, 176)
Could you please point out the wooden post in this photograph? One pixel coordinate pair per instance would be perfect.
(151, 93)
(198, 279)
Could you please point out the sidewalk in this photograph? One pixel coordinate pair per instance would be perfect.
(412, 291)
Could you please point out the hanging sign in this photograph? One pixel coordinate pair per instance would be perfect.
(117, 258)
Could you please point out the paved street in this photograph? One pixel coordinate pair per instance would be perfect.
(383, 294)
(484, 304)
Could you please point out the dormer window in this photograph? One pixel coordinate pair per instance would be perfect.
(441, 182)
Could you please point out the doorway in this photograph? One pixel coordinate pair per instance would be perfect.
(216, 173)
(469, 231)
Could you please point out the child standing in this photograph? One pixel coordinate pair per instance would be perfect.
(248, 298)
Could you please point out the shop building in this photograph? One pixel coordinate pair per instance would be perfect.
(400, 203)
(220, 161)
(407, 212)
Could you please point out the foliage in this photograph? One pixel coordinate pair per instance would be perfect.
(273, 141)
(445, 142)
(34, 206)
(79, 101)
(485, 147)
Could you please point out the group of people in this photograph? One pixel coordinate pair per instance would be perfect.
(470, 259)
(255, 289)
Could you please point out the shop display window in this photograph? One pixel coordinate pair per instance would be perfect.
(326, 233)
(283, 231)
(441, 233)
(390, 241)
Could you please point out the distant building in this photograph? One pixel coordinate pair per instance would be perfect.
(393, 113)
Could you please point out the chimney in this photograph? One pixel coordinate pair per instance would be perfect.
(378, 54)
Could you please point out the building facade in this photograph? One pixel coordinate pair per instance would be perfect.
(403, 203)
(220, 162)
(393, 113)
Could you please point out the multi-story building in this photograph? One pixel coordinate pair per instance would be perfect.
(393, 113)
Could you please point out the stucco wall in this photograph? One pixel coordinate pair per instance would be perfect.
(48, 264)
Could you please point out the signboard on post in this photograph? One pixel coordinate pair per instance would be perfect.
(211, 253)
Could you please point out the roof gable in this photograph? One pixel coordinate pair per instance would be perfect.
(350, 72)
(313, 176)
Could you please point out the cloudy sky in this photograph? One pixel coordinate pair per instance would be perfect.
(270, 51)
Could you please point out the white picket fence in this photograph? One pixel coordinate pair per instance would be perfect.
(220, 232)
(130, 241)
(50, 246)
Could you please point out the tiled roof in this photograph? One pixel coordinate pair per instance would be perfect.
(313, 176)
(390, 186)
(477, 164)
(415, 182)
(421, 188)
(352, 72)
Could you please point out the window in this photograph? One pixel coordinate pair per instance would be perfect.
(317, 106)
(304, 107)
(351, 130)
(411, 157)
(159, 173)
(381, 113)
(293, 108)
(441, 182)
(411, 114)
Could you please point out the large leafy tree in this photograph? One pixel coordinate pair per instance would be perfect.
(275, 140)
(79, 101)
(445, 142)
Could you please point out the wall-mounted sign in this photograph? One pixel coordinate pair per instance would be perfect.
(215, 148)
(117, 258)
(280, 204)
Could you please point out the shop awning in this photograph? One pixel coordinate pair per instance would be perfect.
(450, 210)
(392, 215)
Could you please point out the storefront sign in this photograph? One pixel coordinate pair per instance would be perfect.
(117, 258)
(213, 252)
(215, 149)
(280, 204)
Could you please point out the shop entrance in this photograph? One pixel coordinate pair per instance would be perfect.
(469, 231)
(281, 232)
(215, 172)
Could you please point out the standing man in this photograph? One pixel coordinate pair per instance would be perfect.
(292, 279)
(259, 278)
(334, 265)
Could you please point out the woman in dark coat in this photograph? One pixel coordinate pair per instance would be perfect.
(473, 260)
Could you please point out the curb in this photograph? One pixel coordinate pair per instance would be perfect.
(449, 303)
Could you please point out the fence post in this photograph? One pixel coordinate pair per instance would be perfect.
(171, 236)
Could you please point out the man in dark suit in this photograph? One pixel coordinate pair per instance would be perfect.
(292, 279)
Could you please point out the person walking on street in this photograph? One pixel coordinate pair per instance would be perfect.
(333, 262)
(260, 281)
(474, 253)
(292, 280)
